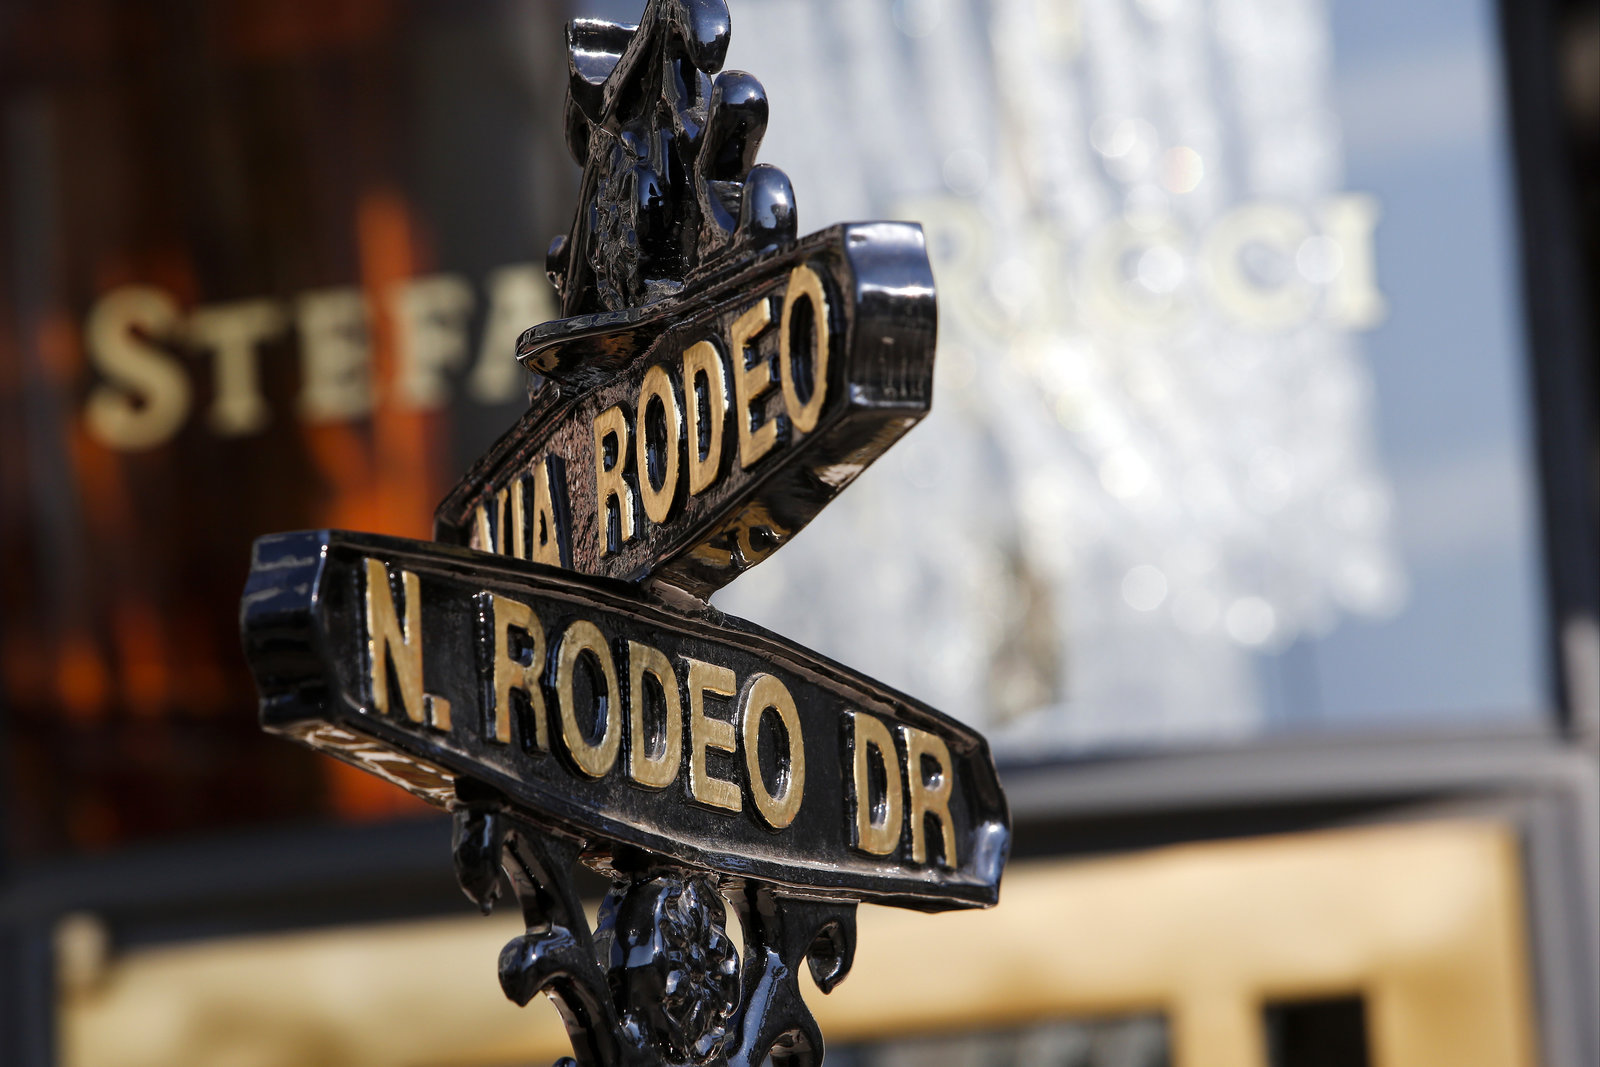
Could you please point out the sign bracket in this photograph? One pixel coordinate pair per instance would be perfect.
(673, 980)
(549, 669)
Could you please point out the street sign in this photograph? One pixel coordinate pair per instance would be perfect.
(548, 669)
(698, 737)
(687, 440)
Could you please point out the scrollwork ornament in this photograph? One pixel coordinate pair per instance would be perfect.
(673, 970)
(679, 236)
(659, 982)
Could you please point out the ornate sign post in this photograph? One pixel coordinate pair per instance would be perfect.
(549, 670)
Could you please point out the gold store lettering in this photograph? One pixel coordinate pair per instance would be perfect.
(137, 338)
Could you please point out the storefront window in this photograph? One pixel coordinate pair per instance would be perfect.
(1230, 435)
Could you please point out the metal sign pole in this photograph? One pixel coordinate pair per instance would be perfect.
(549, 669)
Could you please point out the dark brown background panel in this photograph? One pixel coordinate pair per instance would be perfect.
(163, 159)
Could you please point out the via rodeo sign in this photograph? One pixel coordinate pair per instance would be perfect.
(548, 668)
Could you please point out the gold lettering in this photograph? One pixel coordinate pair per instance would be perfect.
(1354, 300)
(145, 397)
(609, 484)
(502, 543)
(930, 793)
(766, 693)
(518, 667)
(657, 386)
(437, 711)
(804, 285)
(430, 316)
(702, 360)
(393, 643)
(335, 356)
(750, 383)
(519, 521)
(547, 534)
(518, 296)
(653, 771)
(593, 758)
(706, 732)
(233, 332)
(877, 823)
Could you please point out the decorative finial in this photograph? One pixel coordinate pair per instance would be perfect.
(549, 671)
(668, 146)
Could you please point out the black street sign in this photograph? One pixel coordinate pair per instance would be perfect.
(702, 738)
(688, 440)
(549, 671)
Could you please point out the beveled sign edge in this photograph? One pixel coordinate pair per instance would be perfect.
(279, 612)
(890, 336)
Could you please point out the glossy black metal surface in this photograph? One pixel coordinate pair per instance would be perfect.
(879, 384)
(548, 670)
(679, 237)
(306, 637)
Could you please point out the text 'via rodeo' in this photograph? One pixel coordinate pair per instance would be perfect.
(667, 445)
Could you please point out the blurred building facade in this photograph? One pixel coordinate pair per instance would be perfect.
(1254, 522)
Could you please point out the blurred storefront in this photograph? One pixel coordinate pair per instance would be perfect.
(1254, 522)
